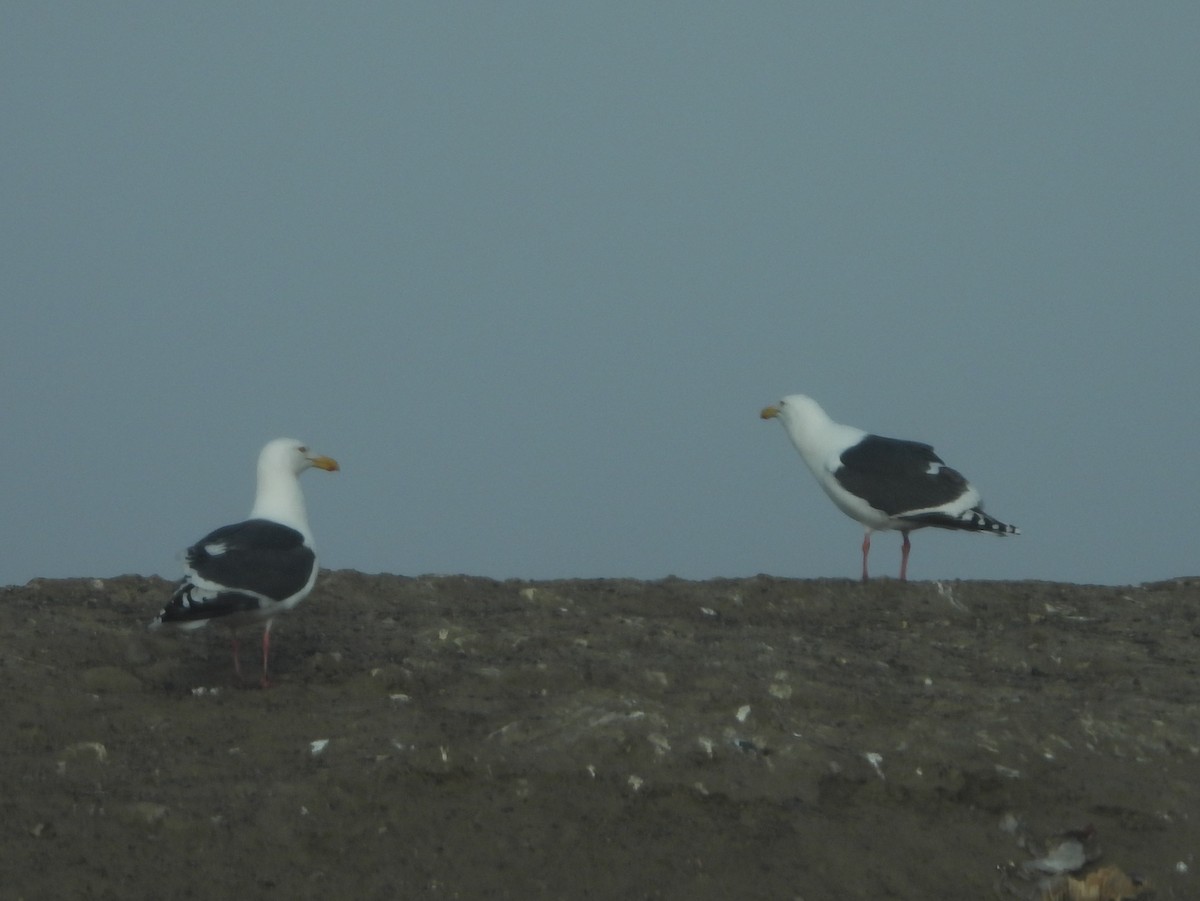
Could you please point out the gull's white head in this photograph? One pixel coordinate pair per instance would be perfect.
(814, 434)
(278, 497)
(796, 411)
(290, 455)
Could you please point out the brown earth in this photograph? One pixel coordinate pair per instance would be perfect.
(607, 739)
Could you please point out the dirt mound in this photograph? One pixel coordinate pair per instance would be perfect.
(457, 737)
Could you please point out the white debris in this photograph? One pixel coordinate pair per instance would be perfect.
(947, 591)
(876, 761)
(1065, 857)
(742, 713)
(316, 747)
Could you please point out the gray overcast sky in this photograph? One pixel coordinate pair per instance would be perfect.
(530, 270)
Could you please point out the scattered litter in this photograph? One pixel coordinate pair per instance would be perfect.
(318, 746)
(636, 782)
(1104, 884)
(742, 713)
(200, 691)
(1067, 856)
(1055, 873)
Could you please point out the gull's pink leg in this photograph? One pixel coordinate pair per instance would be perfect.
(266, 680)
(904, 548)
(866, 548)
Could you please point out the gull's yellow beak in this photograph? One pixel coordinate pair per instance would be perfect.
(326, 463)
(769, 412)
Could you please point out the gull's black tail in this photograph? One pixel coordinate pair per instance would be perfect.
(973, 520)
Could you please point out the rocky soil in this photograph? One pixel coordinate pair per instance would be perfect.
(458, 737)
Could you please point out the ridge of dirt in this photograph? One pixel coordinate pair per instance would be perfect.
(600, 738)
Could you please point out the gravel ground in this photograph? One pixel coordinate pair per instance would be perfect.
(459, 737)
